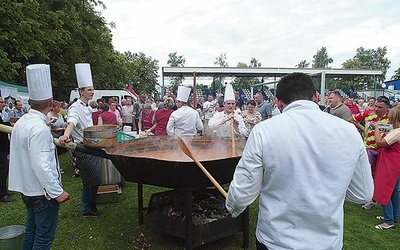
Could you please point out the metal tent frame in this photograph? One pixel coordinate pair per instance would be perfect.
(196, 72)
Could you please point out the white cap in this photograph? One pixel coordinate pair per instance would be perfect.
(183, 93)
(229, 94)
(39, 82)
(83, 75)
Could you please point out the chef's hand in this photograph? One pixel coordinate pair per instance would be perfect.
(230, 116)
(63, 197)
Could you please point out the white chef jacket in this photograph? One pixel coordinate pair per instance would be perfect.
(303, 164)
(80, 115)
(225, 129)
(184, 121)
(34, 169)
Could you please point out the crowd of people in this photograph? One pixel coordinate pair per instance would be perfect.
(285, 161)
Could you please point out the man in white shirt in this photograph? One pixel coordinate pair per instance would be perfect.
(34, 168)
(185, 120)
(79, 118)
(302, 180)
(127, 113)
(220, 123)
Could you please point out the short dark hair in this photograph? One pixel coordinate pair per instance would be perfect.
(383, 99)
(295, 86)
(39, 105)
(335, 92)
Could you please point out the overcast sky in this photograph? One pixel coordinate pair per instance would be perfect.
(276, 33)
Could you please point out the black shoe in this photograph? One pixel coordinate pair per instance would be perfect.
(91, 214)
(7, 198)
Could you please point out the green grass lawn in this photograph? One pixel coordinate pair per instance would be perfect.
(118, 227)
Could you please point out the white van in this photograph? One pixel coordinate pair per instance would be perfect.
(105, 94)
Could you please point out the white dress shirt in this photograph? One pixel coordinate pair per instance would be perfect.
(303, 164)
(80, 115)
(34, 169)
(225, 129)
(184, 121)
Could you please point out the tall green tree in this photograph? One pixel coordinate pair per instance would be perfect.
(60, 33)
(254, 63)
(176, 61)
(321, 59)
(221, 60)
(368, 59)
(302, 64)
(396, 74)
(246, 82)
(217, 80)
(142, 72)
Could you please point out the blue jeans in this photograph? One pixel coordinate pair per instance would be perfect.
(89, 195)
(41, 222)
(391, 210)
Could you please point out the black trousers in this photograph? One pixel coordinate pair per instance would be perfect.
(3, 173)
(260, 246)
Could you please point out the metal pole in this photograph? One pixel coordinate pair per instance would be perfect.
(323, 88)
(162, 81)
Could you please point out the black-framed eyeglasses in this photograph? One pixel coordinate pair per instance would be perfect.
(383, 99)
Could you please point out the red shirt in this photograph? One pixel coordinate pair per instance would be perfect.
(162, 116)
(95, 117)
(147, 120)
(109, 118)
(353, 108)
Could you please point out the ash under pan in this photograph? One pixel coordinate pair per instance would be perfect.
(207, 222)
(159, 160)
(206, 206)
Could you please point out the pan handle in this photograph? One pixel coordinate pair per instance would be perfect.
(117, 130)
(93, 140)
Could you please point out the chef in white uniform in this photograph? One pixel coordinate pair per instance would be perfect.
(185, 120)
(220, 123)
(34, 168)
(301, 181)
(79, 118)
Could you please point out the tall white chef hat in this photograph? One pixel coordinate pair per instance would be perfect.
(229, 94)
(83, 75)
(183, 93)
(39, 82)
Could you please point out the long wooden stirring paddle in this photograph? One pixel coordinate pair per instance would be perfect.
(69, 145)
(233, 139)
(189, 153)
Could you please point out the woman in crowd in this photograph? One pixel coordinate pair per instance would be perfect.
(56, 120)
(161, 117)
(146, 119)
(96, 111)
(115, 108)
(387, 171)
(107, 117)
(250, 116)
